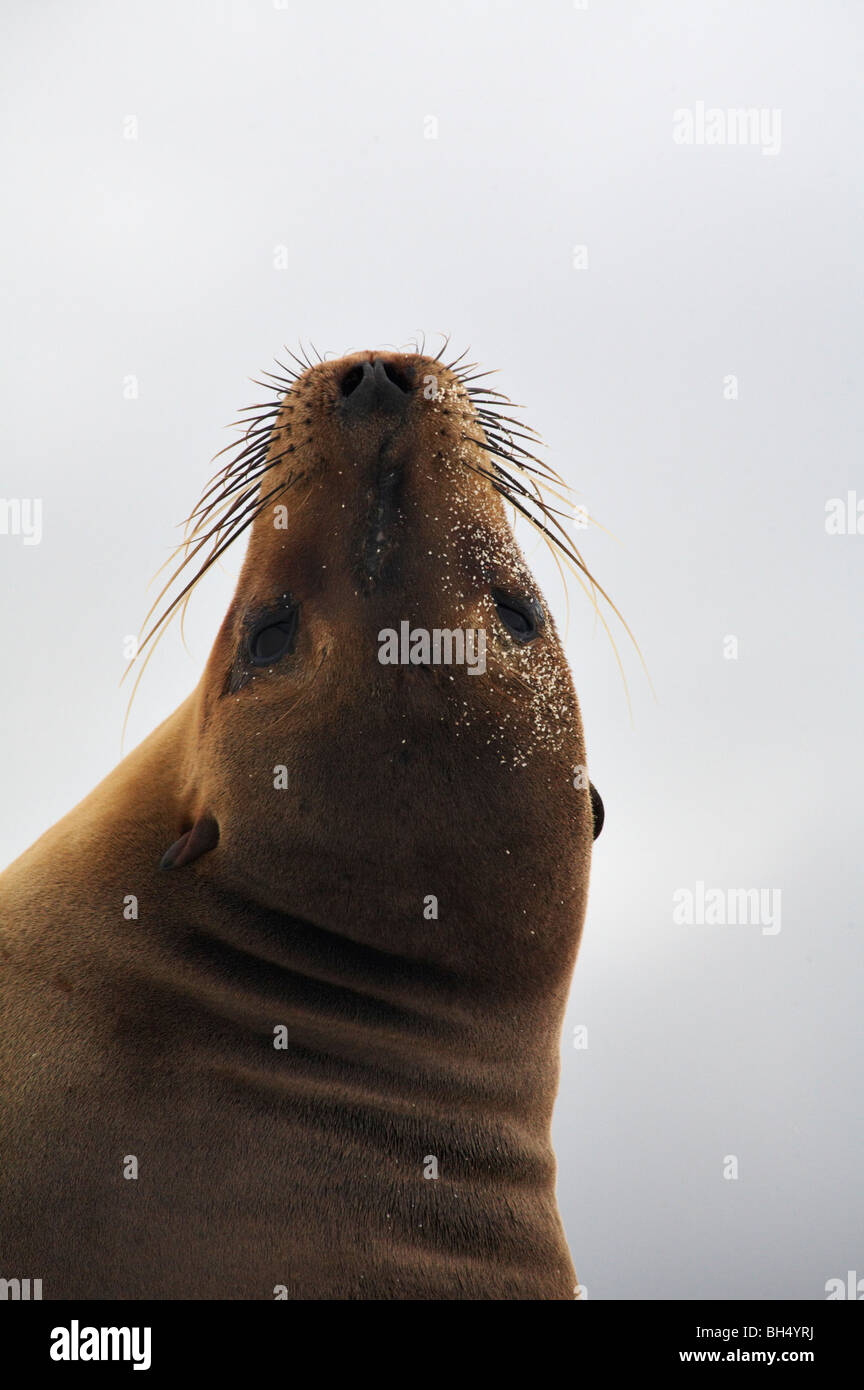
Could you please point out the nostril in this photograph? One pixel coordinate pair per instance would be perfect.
(351, 380)
(399, 379)
(374, 386)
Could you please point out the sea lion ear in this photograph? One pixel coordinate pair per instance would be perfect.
(203, 836)
(597, 809)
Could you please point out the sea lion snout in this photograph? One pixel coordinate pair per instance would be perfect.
(382, 502)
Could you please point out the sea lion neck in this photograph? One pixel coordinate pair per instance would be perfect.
(289, 1001)
(348, 810)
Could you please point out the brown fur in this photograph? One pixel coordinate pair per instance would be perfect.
(407, 1038)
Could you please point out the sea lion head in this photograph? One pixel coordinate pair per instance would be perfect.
(342, 768)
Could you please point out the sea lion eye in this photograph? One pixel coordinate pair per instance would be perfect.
(271, 641)
(522, 617)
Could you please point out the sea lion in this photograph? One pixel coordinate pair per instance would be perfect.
(282, 998)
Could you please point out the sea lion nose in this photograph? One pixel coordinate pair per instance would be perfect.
(375, 385)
